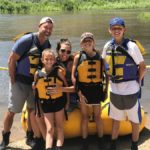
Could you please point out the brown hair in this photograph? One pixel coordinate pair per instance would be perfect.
(63, 41)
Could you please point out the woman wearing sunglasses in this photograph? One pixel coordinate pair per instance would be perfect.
(65, 59)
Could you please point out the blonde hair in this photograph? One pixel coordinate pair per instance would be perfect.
(47, 50)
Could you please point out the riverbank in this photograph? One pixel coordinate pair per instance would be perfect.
(33, 6)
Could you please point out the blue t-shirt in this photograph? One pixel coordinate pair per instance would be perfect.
(23, 44)
(22, 47)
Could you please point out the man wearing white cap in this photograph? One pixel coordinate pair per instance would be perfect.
(23, 61)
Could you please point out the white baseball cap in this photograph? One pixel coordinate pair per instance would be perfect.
(46, 19)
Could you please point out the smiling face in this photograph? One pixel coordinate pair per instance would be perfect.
(64, 52)
(46, 29)
(117, 32)
(48, 59)
(87, 44)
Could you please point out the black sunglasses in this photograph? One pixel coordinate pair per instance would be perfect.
(64, 50)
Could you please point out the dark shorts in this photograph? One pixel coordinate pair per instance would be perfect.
(93, 92)
(74, 98)
(49, 106)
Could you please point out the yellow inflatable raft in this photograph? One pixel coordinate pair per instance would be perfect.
(72, 125)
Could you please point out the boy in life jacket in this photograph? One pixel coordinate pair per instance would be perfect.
(126, 69)
(52, 104)
(87, 74)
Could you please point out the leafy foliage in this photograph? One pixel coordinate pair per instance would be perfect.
(27, 6)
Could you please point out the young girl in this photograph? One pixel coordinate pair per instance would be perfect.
(87, 74)
(52, 104)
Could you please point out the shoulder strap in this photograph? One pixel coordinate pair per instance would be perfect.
(113, 62)
(80, 54)
(36, 42)
(101, 69)
(30, 45)
(123, 51)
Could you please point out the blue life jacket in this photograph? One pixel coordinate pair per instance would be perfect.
(121, 66)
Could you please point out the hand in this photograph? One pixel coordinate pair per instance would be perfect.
(55, 89)
(33, 86)
(82, 98)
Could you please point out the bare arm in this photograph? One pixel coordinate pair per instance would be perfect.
(74, 69)
(61, 75)
(12, 65)
(142, 70)
(35, 80)
(106, 76)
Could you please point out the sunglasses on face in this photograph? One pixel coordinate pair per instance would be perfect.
(116, 28)
(65, 51)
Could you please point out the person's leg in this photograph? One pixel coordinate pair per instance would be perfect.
(114, 136)
(135, 136)
(117, 113)
(115, 129)
(34, 124)
(99, 126)
(32, 115)
(59, 118)
(134, 115)
(15, 105)
(8, 121)
(29, 133)
(49, 121)
(84, 120)
(98, 120)
(39, 141)
(33, 132)
(84, 125)
(41, 124)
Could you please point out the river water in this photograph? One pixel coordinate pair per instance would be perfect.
(71, 25)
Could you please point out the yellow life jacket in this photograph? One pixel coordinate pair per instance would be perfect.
(89, 68)
(44, 81)
(34, 59)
